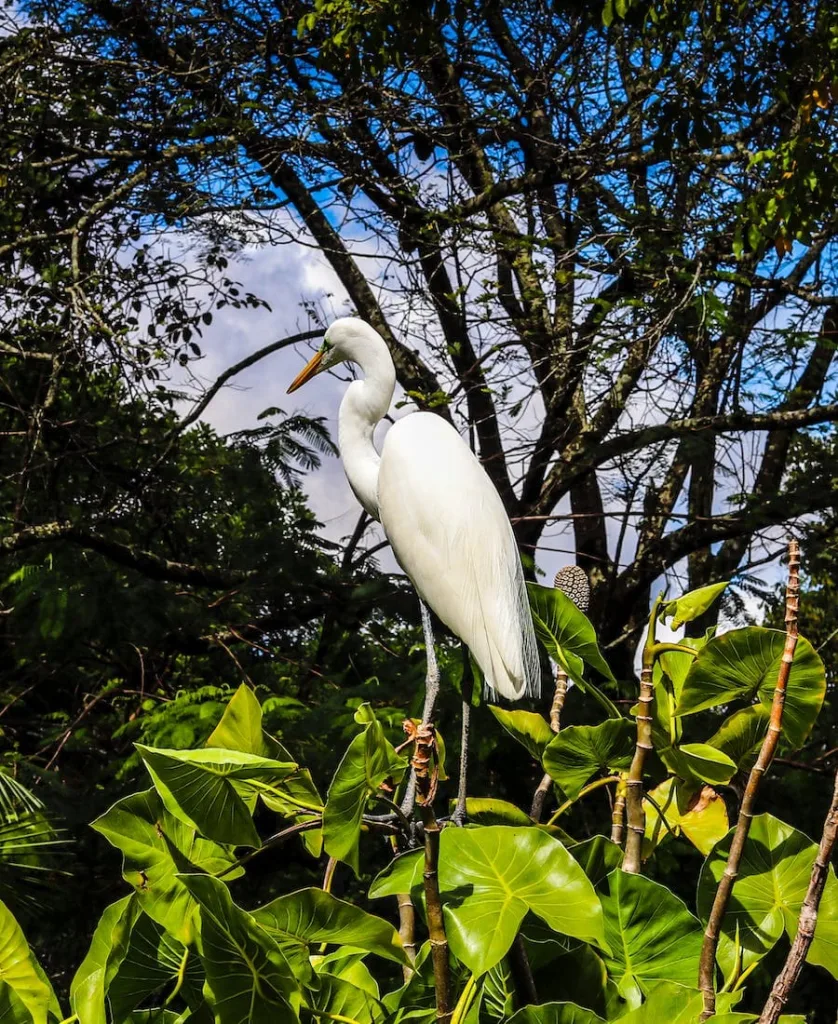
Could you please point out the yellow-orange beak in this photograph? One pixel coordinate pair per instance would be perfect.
(311, 368)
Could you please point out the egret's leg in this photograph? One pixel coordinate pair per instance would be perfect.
(431, 693)
(467, 687)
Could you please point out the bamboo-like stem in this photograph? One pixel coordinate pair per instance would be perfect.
(423, 757)
(407, 931)
(618, 814)
(707, 965)
(556, 707)
(635, 815)
(787, 978)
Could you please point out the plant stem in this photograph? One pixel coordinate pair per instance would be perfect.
(707, 966)
(787, 978)
(423, 757)
(519, 966)
(465, 1001)
(596, 784)
(407, 930)
(618, 813)
(635, 815)
(556, 707)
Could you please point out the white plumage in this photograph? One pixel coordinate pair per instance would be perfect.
(440, 511)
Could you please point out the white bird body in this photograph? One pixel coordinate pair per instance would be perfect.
(440, 512)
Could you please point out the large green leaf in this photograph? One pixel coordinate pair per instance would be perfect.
(12, 1008)
(570, 640)
(740, 735)
(156, 846)
(555, 1013)
(526, 727)
(744, 664)
(369, 761)
(770, 889)
(214, 790)
(26, 983)
(108, 947)
(598, 857)
(670, 1003)
(294, 797)
(491, 876)
(652, 935)
(248, 980)
(574, 754)
(692, 605)
(337, 999)
(312, 915)
(485, 811)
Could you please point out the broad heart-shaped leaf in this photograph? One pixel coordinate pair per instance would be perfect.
(670, 1003)
(369, 761)
(295, 797)
(491, 876)
(108, 947)
(652, 935)
(690, 606)
(555, 1013)
(19, 970)
(699, 762)
(154, 960)
(570, 640)
(769, 892)
(526, 727)
(744, 664)
(156, 846)
(248, 980)
(312, 915)
(574, 754)
(335, 998)
(597, 857)
(697, 812)
(214, 790)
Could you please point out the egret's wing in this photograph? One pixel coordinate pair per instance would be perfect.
(450, 532)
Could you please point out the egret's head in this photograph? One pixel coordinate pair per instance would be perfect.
(345, 341)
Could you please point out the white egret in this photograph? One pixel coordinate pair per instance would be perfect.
(442, 515)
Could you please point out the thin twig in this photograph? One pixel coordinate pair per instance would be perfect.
(787, 978)
(707, 966)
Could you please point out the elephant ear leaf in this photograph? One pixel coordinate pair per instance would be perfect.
(692, 605)
(26, 994)
(743, 664)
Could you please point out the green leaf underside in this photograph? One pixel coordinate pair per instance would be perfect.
(578, 751)
(571, 640)
(296, 796)
(699, 762)
(24, 981)
(214, 790)
(156, 846)
(492, 876)
(369, 761)
(526, 727)
(769, 892)
(652, 935)
(743, 664)
(247, 977)
(314, 916)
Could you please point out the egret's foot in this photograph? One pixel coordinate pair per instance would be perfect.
(459, 816)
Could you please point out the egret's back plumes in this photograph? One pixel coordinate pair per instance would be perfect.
(573, 582)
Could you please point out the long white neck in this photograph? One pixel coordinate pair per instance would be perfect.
(364, 404)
